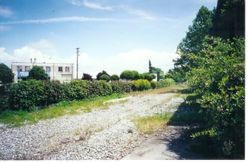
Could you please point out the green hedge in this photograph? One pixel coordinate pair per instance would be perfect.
(121, 87)
(99, 88)
(141, 84)
(36, 94)
(26, 95)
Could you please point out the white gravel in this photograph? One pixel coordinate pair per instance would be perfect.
(100, 134)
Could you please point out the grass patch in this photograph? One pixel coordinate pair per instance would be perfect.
(18, 118)
(149, 124)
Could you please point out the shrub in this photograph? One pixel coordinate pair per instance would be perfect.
(121, 87)
(86, 77)
(153, 84)
(99, 88)
(100, 74)
(76, 89)
(141, 84)
(114, 77)
(129, 75)
(165, 83)
(104, 77)
(54, 92)
(26, 95)
(147, 76)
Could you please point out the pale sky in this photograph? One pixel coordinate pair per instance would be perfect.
(112, 35)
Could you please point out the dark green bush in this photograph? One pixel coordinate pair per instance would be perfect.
(114, 77)
(165, 83)
(121, 87)
(76, 89)
(104, 77)
(99, 88)
(141, 84)
(26, 95)
(219, 79)
(54, 92)
(100, 74)
(147, 76)
(153, 84)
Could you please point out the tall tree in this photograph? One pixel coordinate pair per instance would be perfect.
(150, 66)
(192, 43)
(229, 19)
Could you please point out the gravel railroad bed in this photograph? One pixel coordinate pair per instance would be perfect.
(100, 134)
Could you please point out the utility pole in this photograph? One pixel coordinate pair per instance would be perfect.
(77, 54)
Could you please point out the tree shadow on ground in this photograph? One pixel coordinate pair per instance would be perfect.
(186, 120)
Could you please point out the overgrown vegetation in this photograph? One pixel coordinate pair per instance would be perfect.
(212, 61)
(20, 117)
(30, 100)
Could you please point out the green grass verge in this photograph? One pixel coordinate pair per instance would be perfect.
(18, 118)
(149, 124)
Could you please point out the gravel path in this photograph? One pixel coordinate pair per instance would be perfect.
(100, 134)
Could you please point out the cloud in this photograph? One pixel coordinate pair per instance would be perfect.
(42, 50)
(59, 20)
(97, 6)
(137, 12)
(136, 59)
(5, 12)
(91, 5)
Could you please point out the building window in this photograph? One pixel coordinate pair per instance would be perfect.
(27, 68)
(66, 68)
(48, 68)
(19, 68)
(60, 69)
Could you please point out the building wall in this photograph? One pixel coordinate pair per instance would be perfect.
(56, 71)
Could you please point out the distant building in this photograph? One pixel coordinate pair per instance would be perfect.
(62, 72)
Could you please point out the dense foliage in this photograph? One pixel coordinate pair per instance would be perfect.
(86, 77)
(105, 77)
(147, 76)
(219, 80)
(229, 19)
(36, 94)
(37, 73)
(26, 95)
(100, 74)
(129, 75)
(114, 77)
(141, 84)
(121, 87)
(6, 75)
(215, 70)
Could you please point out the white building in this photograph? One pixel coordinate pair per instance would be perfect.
(62, 72)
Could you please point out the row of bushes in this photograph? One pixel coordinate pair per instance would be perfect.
(35, 94)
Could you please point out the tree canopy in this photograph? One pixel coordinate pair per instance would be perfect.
(38, 73)
(129, 75)
(6, 75)
(100, 74)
